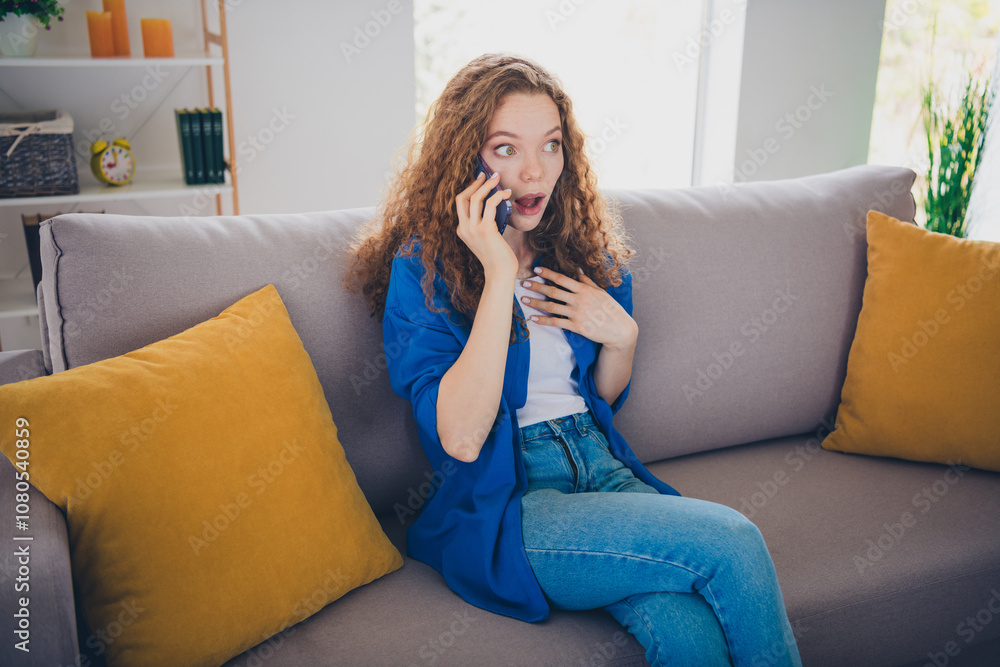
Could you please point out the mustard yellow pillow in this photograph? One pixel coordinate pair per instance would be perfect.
(204, 487)
(923, 373)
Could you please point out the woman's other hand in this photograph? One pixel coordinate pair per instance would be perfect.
(585, 309)
(590, 311)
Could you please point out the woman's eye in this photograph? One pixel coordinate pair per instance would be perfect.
(505, 151)
(552, 146)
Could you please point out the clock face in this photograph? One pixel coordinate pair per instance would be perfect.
(117, 165)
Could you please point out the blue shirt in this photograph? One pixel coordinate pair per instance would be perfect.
(470, 530)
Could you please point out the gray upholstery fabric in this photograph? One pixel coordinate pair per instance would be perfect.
(410, 617)
(976, 655)
(772, 271)
(20, 365)
(53, 639)
(51, 588)
(880, 560)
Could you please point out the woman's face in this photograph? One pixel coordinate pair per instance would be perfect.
(524, 145)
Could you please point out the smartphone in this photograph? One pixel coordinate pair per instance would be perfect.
(504, 208)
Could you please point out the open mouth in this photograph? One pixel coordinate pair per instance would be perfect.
(529, 204)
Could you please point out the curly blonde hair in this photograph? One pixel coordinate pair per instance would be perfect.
(578, 228)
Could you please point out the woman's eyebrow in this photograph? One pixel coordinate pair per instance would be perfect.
(504, 133)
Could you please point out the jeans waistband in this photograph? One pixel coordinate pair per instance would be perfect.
(580, 421)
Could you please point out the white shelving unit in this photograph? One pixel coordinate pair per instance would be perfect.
(145, 185)
(185, 60)
(17, 294)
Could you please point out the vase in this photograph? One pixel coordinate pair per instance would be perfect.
(19, 35)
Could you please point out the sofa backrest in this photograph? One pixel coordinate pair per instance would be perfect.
(775, 267)
(747, 298)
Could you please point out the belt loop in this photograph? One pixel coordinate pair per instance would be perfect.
(554, 427)
(578, 421)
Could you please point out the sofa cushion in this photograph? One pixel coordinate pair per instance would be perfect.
(923, 376)
(747, 299)
(410, 617)
(208, 500)
(881, 561)
(859, 589)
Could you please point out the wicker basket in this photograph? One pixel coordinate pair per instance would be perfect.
(36, 154)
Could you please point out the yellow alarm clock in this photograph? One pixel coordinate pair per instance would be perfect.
(112, 163)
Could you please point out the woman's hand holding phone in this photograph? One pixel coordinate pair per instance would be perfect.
(470, 391)
(504, 208)
(478, 229)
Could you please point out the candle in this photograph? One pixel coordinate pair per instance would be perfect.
(119, 25)
(102, 40)
(157, 38)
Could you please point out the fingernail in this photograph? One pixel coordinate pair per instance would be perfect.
(496, 175)
(526, 283)
(525, 299)
(537, 269)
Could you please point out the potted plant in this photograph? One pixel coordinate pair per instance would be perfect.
(954, 150)
(20, 21)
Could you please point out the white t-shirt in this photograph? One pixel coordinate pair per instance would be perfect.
(552, 392)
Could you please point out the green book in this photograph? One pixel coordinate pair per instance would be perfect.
(220, 160)
(207, 143)
(197, 150)
(184, 144)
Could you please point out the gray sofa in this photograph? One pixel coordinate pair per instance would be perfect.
(746, 298)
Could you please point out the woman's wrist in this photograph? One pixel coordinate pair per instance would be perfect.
(501, 273)
(627, 342)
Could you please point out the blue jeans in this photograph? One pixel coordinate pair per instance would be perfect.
(691, 579)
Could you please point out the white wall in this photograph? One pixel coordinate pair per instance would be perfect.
(339, 118)
(808, 86)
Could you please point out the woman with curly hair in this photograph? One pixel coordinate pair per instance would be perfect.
(516, 350)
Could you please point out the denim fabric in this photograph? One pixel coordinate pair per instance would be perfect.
(691, 579)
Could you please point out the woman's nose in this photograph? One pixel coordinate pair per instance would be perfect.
(531, 168)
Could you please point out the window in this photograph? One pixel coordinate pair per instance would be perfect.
(966, 40)
(631, 69)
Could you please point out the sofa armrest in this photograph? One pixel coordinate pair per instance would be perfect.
(21, 365)
(36, 584)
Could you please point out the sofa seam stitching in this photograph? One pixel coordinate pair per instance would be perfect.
(58, 304)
